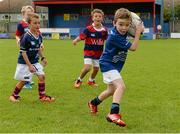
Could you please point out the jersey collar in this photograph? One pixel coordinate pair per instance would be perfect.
(99, 29)
(29, 32)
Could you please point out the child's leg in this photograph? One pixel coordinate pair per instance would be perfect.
(85, 70)
(96, 101)
(120, 88)
(41, 85)
(20, 84)
(117, 96)
(105, 94)
(114, 115)
(91, 80)
(95, 64)
(108, 92)
(41, 88)
(18, 88)
(15, 94)
(94, 73)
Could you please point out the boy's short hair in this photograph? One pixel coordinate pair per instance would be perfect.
(122, 13)
(24, 8)
(31, 16)
(97, 11)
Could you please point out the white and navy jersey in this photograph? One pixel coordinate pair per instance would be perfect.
(31, 45)
(115, 53)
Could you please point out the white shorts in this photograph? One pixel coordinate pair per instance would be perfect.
(23, 74)
(90, 61)
(110, 76)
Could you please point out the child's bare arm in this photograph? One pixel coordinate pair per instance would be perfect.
(75, 41)
(139, 30)
(18, 40)
(42, 47)
(43, 59)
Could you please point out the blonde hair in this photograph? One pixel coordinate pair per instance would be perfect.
(24, 9)
(31, 16)
(97, 11)
(122, 13)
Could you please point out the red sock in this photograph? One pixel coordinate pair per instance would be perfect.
(16, 92)
(41, 88)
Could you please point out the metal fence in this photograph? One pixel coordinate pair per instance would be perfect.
(175, 26)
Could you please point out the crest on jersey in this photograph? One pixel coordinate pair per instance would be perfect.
(33, 43)
(93, 35)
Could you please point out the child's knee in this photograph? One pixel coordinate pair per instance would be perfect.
(111, 92)
(20, 84)
(96, 69)
(121, 87)
(41, 78)
(87, 68)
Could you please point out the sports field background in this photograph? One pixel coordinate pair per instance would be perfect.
(151, 102)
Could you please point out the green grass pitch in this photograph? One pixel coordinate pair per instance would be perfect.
(151, 102)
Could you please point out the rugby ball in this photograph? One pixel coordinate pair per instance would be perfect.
(135, 21)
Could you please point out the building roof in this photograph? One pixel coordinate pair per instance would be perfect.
(52, 2)
(14, 6)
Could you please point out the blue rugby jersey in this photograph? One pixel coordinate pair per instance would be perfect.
(116, 49)
(94, 41)
(31, 45)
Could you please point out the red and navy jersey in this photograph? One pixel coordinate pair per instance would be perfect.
(22, 28)
(94, 41)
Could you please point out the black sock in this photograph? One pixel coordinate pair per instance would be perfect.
(96, 101)
(114, 108)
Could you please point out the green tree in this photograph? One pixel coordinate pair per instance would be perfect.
(177, 12)
(167, 15)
